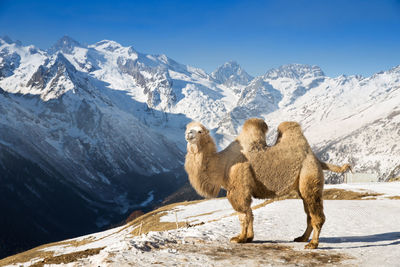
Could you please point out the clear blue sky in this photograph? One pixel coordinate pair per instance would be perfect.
(342, 37)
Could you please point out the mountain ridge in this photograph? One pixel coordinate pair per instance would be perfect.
(169, 87)
(221, 100)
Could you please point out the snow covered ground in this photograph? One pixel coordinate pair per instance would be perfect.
(362, 232)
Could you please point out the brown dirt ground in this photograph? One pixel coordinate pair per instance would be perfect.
(328, 194)
(67, 258)
(341, 194)
(394, 179)
(48, 256)
(261, 254)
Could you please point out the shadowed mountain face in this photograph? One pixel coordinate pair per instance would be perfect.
(38, 206)
(41, 206)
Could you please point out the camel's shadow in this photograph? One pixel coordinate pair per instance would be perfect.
(368, 240)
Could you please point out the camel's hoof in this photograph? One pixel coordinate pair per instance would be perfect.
(237, 239)
(300, 239)
(311, 245)
(249, 239)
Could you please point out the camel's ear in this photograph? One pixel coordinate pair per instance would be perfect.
(279, 137)
(206, 131)
(265, 127)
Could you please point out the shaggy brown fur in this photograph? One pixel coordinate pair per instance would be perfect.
(247, 167)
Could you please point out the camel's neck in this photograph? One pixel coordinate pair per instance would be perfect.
(199, 163)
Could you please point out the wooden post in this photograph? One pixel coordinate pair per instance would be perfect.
(140, 228)
(176, 220)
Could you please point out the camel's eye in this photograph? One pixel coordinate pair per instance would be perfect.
(200, 131)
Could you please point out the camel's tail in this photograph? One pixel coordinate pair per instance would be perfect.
(335, 168)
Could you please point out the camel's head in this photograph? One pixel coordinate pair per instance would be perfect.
(195, 132)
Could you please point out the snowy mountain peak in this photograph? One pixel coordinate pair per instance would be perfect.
(231, 64)
(230, 74)
(53, 79)
(7, 40)
(66, 45)
(395, 69)
(295, 71)
(110, 46)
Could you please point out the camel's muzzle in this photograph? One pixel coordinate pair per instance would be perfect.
(190, 135)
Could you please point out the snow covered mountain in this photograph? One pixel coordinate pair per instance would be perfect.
(106, 122)
(353, 118)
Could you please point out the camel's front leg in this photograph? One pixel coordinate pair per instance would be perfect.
(240, 184)
(242, 205)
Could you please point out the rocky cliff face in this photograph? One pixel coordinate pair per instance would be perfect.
(232, 75)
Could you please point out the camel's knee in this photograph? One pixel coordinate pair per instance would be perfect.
(240, 201)
(242, 218)
(317, 221)
(320, 219)
(246, 218)
(316, 208)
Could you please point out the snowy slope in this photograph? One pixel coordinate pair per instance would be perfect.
(356, 233)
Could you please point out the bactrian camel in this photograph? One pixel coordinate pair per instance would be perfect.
(249, 168)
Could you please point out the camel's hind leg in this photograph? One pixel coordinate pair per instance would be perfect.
(240, 198)
(311, 184)
(315, 207)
